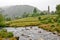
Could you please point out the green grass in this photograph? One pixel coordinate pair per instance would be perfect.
(29, 21)
(46, 22)
(5, 34)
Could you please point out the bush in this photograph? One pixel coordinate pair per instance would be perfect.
(58, 20)
(10, 34)
(55, 20)
(58, 24)
(52, 25)
(47, 20)
(58, 30)
(39, 18)
(2, 19)
(50, 21)
(3, 30)
(5, 34)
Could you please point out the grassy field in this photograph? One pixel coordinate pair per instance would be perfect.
(47, 22)
(29, 21)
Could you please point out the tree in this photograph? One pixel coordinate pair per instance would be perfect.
(25, 15)
(35, 10)
(42, 13)
(58, 9)
(8, 19)
(35, 14)
(52, 12)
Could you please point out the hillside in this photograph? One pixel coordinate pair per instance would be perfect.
(17, 10)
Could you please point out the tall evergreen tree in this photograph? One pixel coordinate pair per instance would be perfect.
(58, 9)
(35, 10)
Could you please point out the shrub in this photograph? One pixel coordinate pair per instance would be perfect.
(10, 34)
(2, 24)
(58, 30)
(2, 20)
(5, 34)
(52, 25)
(55, 20)
(3, 30)
(58, 24)
(58, 20)
(39, 18)
(50, 21)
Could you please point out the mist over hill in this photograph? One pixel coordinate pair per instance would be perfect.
(17, 10)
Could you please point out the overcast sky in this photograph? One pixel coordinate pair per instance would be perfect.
(40, 4)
